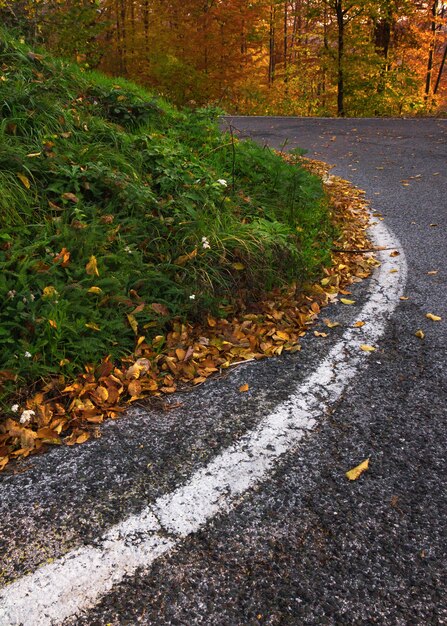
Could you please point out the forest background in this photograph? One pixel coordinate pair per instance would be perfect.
(284, 57)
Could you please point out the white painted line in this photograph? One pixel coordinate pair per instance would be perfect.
(78, 580)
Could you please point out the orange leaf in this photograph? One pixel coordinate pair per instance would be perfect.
(244, 387)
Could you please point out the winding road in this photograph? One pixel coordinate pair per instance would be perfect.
(234, 509)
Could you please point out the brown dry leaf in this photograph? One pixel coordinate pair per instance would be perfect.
(4, 460)
(63, 257)
(432, 273)
(395, 253)
(134, 389)
(330, 324)
(71, 197)
(357, 471)
(244, 387)
(403, 298)
(83, 437)
(92, 267)
(367, 348)
(161, 309)
(184, 258)
(433, 317)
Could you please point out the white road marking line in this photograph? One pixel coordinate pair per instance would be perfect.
(79, 579)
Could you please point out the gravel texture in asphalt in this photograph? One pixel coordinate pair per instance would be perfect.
(307, 546)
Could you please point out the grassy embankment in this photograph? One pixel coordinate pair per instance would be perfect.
(120, 217)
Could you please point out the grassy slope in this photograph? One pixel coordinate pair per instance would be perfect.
(106, 196)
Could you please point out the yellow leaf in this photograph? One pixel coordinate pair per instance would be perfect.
(367, 348)
(92, 267)
(358, 324)
(394, 271)
(133, 323)
(32, 155)
(433, 317)
(420, 333)
(346, 301)
(49, 292)
(92, 326)
(24, 180)
(432, 273)
(52, 323)
(317, 334)
(403, 298)
(96, 290)
(244, 387)
(356, 472)
(238, 266)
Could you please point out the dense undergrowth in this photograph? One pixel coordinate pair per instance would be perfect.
(119, 213)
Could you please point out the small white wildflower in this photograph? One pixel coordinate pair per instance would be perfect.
(15, 408)
(32, 297)
(205, 243)
(26, 416)
(222, 182)
(128, 249)
(24, 300)
(11, 294)
(27, 355)
(192, 296)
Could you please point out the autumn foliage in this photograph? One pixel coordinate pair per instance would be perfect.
(299, 57)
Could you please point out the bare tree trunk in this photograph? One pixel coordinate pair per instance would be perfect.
(272, 60)
(441, 69)
(431, 50)
(340, 59)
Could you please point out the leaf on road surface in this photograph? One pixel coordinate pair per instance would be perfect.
(420, 334)
(346, 301)
(244, 387)
(433, 317)
(358, 324)
(367, 348)
(357, 471)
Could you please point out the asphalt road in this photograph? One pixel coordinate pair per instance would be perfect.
(306, 546)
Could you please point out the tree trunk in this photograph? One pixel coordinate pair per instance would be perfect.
(431, 50)
(340, 59)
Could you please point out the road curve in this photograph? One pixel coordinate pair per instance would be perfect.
(306, 547)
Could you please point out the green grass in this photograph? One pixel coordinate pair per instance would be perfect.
(101, 168)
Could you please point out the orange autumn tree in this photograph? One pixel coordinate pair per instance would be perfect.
(303, 57)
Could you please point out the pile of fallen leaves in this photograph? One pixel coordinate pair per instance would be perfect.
(69, 414)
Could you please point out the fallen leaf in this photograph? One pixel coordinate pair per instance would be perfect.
(24, 180)
(96, 290)
(432, 273)
(184, 258)
(346, 301)
(92, 267)
(393, 271)
(404, 298)
(367, 348)
(433, 317)
(318, 334)
(92, 326)
(63, 257)
(238, 266)
(357, 471)
(244, 387)
(358, 324)
(330, 324)
(133, 323)
(420, 333)
(83, 437)
(52, 323)
(71, 197)
(395, 253)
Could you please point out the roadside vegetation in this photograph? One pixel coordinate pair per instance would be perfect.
(124, 220)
